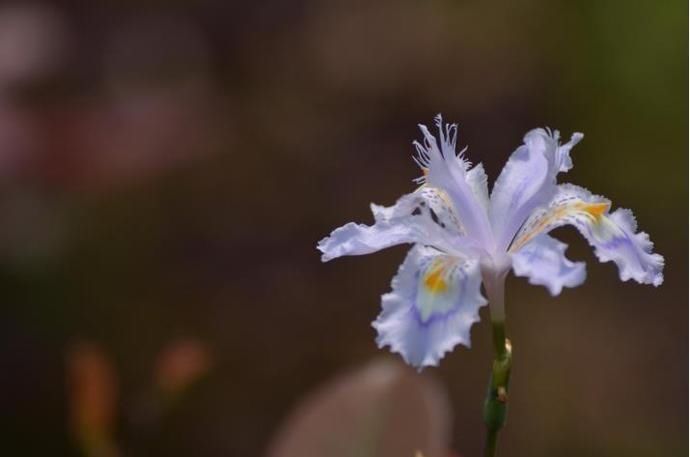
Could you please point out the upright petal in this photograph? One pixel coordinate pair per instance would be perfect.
(563, 160)
(479, 185)
(424, 217)
(614, 235)
(433, 304)
(448, 171)
(527, 181)
(544, 263)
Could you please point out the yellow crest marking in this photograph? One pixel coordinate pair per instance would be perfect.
(594, 210)
(434, 280)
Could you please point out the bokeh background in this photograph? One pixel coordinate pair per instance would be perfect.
(166, 169)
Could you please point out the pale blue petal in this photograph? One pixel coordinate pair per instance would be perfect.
(427, 201)
(479, 184)
(563, 160)
(614, 235)
(447, 171)
(423, 217)
(359, 239)
(527, 181)
(544, 263)
(615, 240)
(434, 301)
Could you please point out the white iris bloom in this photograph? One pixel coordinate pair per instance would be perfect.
(462, 237)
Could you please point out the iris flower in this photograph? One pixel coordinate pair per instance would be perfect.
(463, 236)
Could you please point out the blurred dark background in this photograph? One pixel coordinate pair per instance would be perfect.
(168, 167)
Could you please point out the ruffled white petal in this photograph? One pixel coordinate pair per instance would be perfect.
(544, 263)
(434, 301)
(424, 217)
(527, 181)
(359, 239)
(563, 160)
(426, 200)
(447, 171)
(479, 185)
(614, 235)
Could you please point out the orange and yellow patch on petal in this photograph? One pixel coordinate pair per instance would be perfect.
(434, 279)
(438, 288)
(596, 210)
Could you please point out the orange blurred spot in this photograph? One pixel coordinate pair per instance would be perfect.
(180, 364)
(92, 399)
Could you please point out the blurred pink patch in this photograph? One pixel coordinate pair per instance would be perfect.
(181, 364)
(384, 409)
(33, 47)
(156, 111)
(92, 398)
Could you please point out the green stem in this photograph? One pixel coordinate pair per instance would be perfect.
(498, 333)
(494, 271)
(495, 402)
(490, 443)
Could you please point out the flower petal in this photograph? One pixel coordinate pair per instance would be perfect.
(433, 304)
(448, 171)
(527, 181)
(479, 184)
(360, 239)
(424, 217)
(544, 263)
(563, 160)
(428, 201)
(613, 235)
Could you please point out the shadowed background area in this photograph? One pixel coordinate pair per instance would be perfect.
(168, 167)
